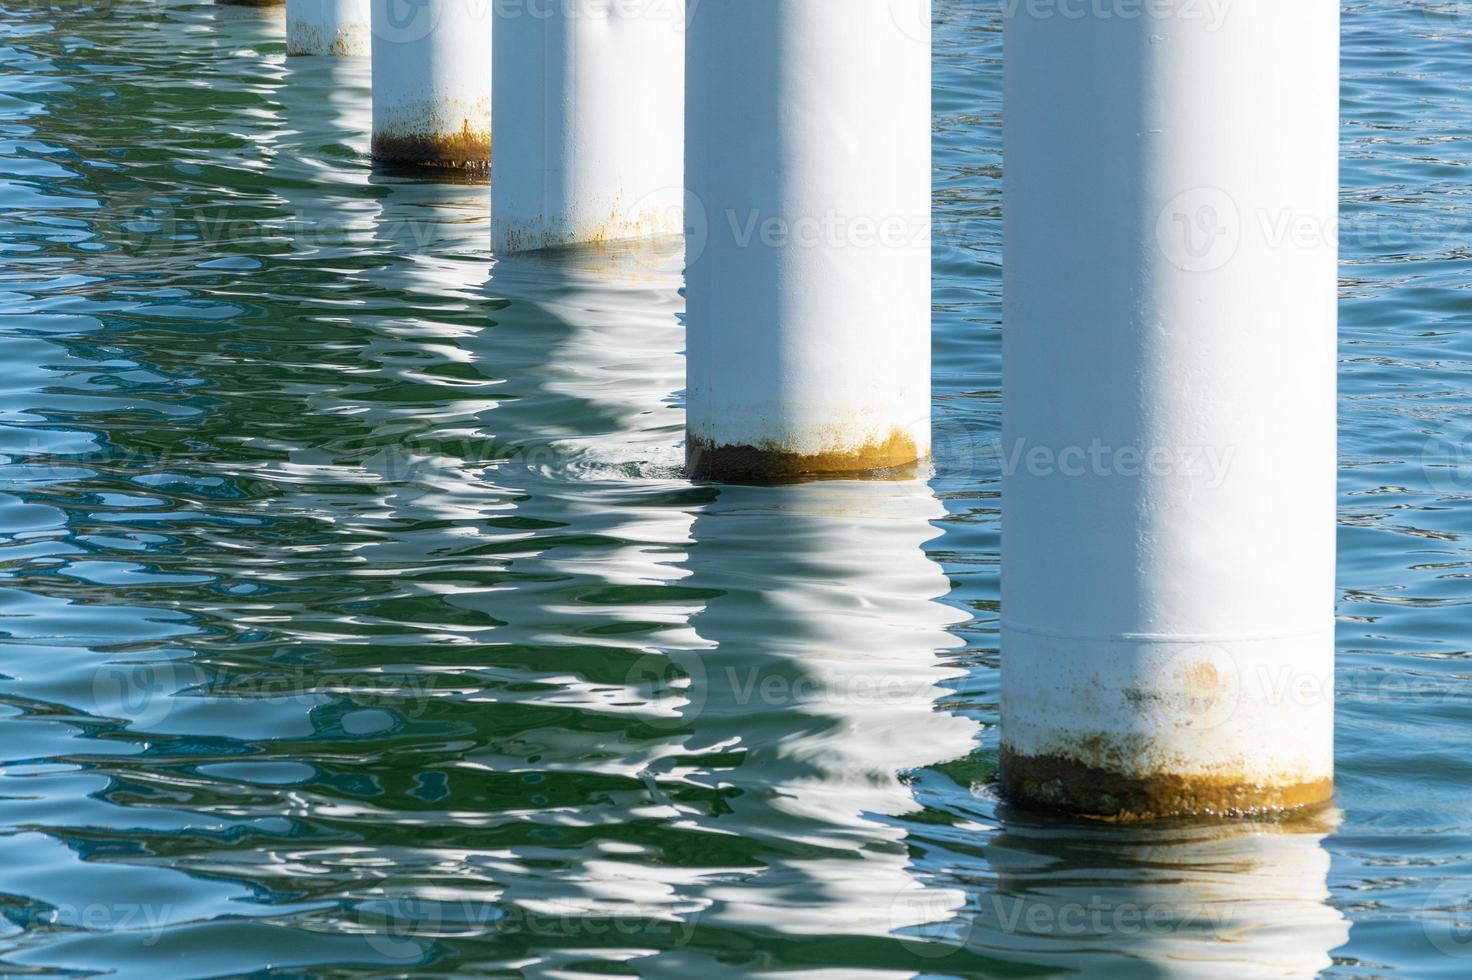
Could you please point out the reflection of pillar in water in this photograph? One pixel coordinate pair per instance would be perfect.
(323, 120)
(819, 688)
(582, 349)
(338, 27)
(1203, 900)
(272, 9)
(600, 329)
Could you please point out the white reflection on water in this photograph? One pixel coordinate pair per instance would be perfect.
(823, 672)
(1185, 900)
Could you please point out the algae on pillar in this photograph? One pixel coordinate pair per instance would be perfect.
(808, 168)
(432, 83)
(1169, 409)
(328, 27)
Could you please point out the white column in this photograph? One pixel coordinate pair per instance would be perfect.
(808, 167)
(1169, 436)
(335, 27)
(590, 106)
(432, 82)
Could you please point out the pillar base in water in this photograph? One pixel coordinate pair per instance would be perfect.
(1058, 783)
(808, 278)
(432, 83)
(469, 150)
(1168, 648)
(705, 460)
(1143, 727)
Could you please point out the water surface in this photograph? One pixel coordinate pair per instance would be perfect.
(355, 619)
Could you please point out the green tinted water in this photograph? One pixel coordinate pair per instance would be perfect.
(355, 619)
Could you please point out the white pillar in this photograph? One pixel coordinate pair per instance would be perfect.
(1169, 435)
(337, 27)
(589, 101)
(808, 167)
(432, 82)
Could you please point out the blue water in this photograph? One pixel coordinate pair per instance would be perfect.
(355, 619)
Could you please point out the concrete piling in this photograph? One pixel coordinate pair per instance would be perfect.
(328, 27)
(1169, 401)
(589, 99)
(808, 284)
(432, 83)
